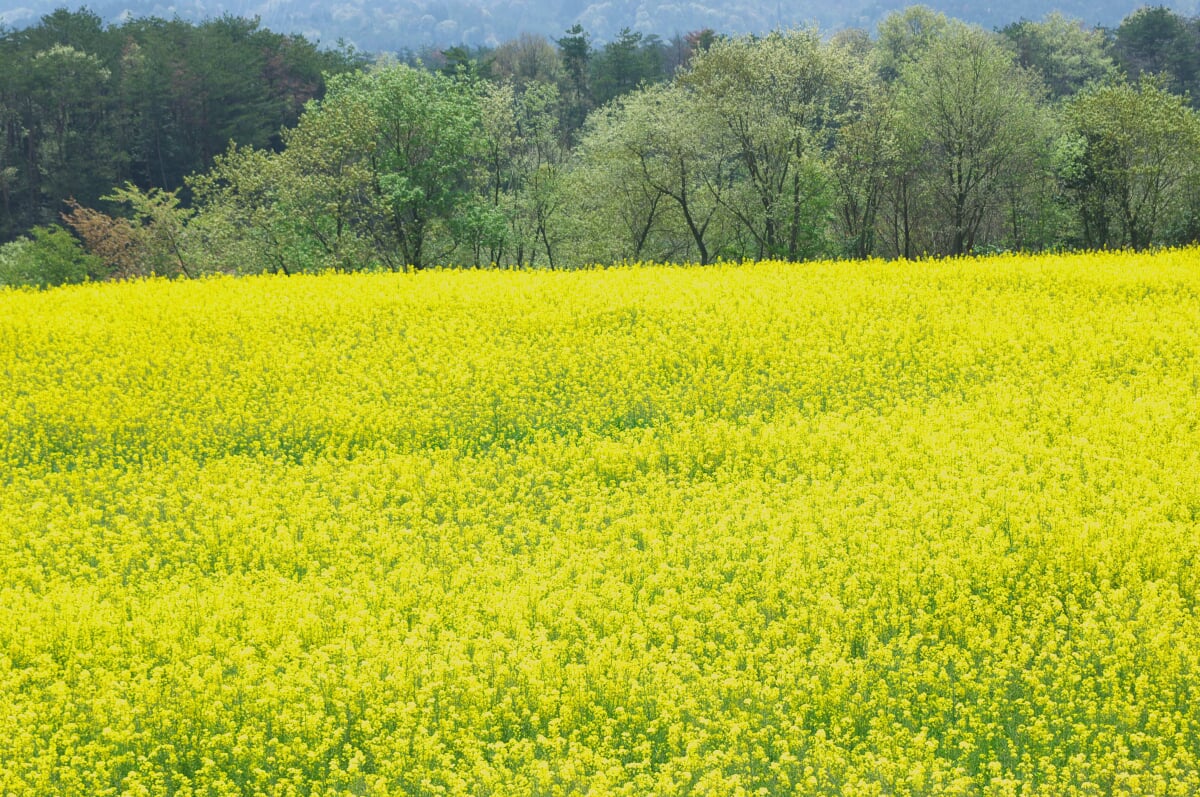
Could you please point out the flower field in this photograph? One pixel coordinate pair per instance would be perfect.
(875, 528)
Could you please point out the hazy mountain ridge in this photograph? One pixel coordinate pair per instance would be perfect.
(378, 26)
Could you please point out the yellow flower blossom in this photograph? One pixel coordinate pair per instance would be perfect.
(762, 529)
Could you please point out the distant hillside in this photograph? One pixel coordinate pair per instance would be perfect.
(375, 25)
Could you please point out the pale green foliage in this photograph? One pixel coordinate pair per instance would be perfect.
(615, 214)
(252, 218)
(13, 258)
(667, 164)
(730, 161)
(969, 120)
(904, 36)
(794, 147)
(377, 173)
(50, 257)
(324, 181)
(160, 227)
(865, 156)
(685, 155)
(778, 101)
(1131, 161)
(522, 169)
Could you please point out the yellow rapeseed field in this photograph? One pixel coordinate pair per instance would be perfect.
(923, 528)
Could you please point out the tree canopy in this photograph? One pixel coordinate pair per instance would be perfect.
(172, 149)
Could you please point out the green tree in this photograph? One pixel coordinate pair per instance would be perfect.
(248, 219)
(968, 114)
(575, 51)
(381, 171)
(325, 180)
(865, 154)
(50, 257)
(625, 63)
(779, 101)
(523, 164)
(1157, 41)
(1131, 154)
(1068, 55)
(904, 36)
(428, 131)
(162, 230)
(685, 156)
(614, 214)
(308, 207)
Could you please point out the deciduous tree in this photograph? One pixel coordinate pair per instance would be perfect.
(780, 101)
(969, 114)
(1133, 152)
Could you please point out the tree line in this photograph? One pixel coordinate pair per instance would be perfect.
(242, 151)
(85, 107)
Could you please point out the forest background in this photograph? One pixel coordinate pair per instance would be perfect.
(169, 147)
